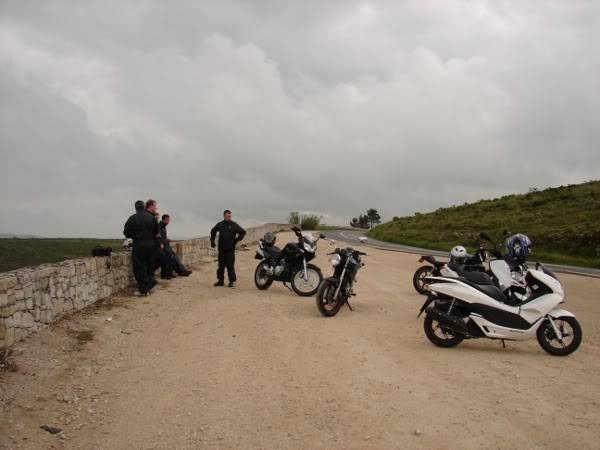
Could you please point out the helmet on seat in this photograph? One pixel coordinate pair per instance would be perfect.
(518, 246)
(269, 238)
(458, 254)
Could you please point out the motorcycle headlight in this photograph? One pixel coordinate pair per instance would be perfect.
(335, 260)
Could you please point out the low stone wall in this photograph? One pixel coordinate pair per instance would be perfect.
(32, 298)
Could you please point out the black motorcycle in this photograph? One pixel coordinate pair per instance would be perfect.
(335, 291)
(289, 265)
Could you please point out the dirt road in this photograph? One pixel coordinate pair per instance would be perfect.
(194, 366)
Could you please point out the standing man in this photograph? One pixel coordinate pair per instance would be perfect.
(142, 228)
(230, 233)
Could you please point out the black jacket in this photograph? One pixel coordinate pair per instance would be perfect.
(163, 232)
(229, 234)
(142, 227)
(164, 240)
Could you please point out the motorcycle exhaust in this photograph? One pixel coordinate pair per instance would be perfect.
(454, 323)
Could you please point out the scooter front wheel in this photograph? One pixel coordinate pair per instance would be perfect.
(571, 336)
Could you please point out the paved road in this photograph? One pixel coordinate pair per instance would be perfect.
(349, 235)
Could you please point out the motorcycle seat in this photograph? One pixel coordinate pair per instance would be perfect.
(272, 252)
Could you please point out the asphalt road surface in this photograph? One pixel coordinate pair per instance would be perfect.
(352, 236)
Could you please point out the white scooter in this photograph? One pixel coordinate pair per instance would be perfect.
(458, 309)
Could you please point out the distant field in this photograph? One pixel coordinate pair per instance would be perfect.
(16, 253)
(563, 223)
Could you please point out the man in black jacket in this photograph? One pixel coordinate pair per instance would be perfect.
(142, 227)
(230, 233)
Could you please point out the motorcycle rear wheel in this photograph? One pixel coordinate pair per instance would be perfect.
(326, 305)
(261, 279)
(439, 334)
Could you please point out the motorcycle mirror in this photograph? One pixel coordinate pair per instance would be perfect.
(295, 229)
(322, 236)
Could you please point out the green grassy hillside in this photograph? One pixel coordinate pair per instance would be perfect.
(15, 253)
(563, 223)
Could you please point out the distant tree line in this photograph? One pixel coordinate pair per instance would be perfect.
(368, 220)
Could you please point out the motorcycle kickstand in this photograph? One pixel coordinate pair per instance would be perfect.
(349, 305)
(285, 284)
(503, 344)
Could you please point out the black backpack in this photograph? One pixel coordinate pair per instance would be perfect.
(101, 251)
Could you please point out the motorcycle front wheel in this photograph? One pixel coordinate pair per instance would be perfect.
(261, 279)
(326, 304)
(306, 286)
(571, 333)
(419, 279)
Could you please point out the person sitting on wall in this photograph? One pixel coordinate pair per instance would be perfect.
(162, 260)
(174, 261)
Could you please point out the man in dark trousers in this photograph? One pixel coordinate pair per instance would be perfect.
(174, 261)
(230, 233)
(142, 227)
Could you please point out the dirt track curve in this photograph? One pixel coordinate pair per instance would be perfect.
(194, 366)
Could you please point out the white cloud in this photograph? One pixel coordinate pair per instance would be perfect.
(265, 109)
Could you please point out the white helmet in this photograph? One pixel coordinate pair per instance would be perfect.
(458, 252)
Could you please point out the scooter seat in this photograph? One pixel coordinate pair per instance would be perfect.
(488, 289)
(480, 278)
(474, 276)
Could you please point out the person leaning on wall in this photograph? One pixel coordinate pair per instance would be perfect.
(142, 228)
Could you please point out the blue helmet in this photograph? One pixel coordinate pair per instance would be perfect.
(518, 246)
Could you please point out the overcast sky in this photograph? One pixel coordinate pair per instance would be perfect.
(265, 107)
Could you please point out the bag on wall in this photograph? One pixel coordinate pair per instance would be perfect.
(101, 251)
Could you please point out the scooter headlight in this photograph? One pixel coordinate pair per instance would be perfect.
(335, 260)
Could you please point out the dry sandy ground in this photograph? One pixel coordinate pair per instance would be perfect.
(195, 366)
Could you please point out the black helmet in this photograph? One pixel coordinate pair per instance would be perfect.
(269, 238)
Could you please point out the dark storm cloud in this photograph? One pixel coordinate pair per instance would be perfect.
(268, 107)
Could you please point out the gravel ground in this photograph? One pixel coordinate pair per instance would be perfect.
(193, 366)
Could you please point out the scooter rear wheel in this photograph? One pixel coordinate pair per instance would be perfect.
(419, 279)
(439, 334)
